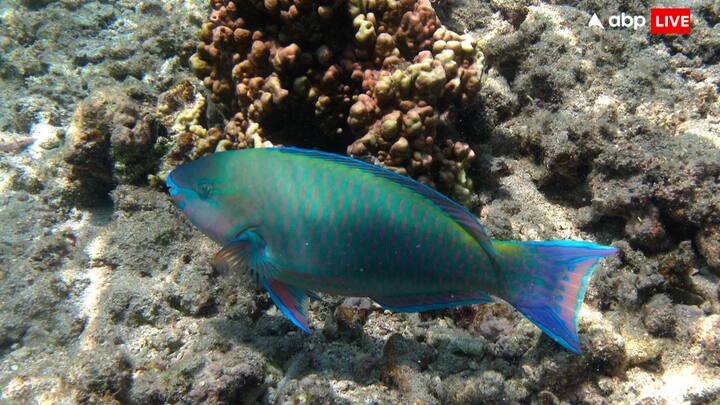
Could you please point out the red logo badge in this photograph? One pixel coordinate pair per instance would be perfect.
(670, 21)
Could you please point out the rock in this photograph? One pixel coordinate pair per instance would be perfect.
(109, 142)
(659, 316)
(646, 231)
(102, 374)
(230, 377)
(311, 390)
(516, 343)
(486, 388)
(604, 347)
(709, 339)
(351, 315)
(677, 268)
(708, 243)
(403, 362)
(193, 294)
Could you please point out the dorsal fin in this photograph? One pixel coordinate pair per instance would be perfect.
(456, 211)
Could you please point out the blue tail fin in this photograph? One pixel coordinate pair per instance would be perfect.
(546, 282)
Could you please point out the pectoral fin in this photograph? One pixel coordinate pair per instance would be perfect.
(420, 303)
(291, 301)
(247, 252)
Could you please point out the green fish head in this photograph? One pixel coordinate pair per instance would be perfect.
(197, 188)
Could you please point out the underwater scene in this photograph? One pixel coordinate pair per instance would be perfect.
(359, 202)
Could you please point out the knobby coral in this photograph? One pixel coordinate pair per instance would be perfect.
(382, 76)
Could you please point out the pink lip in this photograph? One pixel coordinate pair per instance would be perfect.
(179, 200)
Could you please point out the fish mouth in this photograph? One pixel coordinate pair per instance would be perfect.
(173, 188)
(174, 191)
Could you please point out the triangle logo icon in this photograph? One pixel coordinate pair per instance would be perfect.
(595, 22)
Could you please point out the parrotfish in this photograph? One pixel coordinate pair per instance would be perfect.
(304, 221)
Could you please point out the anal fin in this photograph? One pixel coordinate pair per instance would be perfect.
(290, 300)
(420, 303)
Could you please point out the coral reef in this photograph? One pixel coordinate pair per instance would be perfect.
(385, 74)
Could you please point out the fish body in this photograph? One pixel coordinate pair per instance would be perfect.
(303, 221)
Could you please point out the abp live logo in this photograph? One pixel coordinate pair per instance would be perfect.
(670, 21)
(662, 21)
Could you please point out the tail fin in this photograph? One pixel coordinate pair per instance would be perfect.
(546, 282)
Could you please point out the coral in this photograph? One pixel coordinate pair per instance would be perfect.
(677, 269)
(90, 176)
(183, 112)
(384, 76)
(516, 343)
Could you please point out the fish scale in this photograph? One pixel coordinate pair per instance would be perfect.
(308, 221)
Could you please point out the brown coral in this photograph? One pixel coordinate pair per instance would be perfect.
(380, 76)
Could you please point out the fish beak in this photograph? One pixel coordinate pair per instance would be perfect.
(172, 187)
(174, 191)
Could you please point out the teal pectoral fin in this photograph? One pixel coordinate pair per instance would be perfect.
(547, 283)
(245, 252)
(291, 301)
(420, 303)
(248, 252)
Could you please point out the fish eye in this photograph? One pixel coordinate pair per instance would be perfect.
(204, 189)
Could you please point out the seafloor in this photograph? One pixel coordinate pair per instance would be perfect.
(610, 136)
